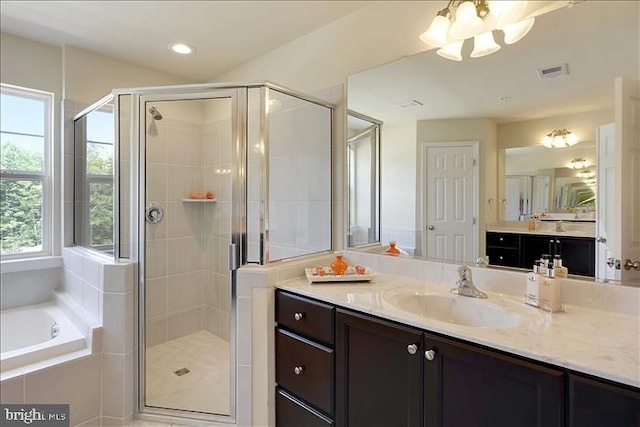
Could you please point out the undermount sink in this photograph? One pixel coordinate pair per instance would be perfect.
(453, 309)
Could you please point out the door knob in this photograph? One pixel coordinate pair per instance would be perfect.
(628, 265)
(412, 348)
(431, 227)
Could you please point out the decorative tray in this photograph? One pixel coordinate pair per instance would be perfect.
(349, 276)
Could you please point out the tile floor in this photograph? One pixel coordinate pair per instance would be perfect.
(204, 389)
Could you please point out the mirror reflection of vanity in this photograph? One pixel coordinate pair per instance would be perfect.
(501, 104)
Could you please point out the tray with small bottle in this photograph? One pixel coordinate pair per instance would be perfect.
(352, 274)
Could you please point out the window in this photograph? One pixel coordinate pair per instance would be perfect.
(93, 157)
(25, 171)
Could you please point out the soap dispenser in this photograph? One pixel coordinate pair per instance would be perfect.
(533, 286)
(550, 292)
(559, 270)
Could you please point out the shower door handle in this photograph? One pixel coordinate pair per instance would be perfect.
(233, 257)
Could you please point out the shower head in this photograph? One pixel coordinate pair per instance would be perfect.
(155, 113)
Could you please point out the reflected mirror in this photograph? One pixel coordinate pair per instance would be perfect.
(93, 178)
(363, 164)
(570, 71)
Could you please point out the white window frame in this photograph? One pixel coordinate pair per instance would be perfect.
(46, 176)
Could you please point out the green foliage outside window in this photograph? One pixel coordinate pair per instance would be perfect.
(20, 201)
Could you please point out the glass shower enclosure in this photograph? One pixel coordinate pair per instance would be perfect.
(205, 178)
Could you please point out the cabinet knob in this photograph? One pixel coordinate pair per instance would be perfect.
(298, 316)
(412, 348)
(431, 228)
(298, 370)
(430, 354)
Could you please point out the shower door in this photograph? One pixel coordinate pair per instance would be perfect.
(192, 167)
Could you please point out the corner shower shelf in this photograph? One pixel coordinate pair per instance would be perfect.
(199, 200)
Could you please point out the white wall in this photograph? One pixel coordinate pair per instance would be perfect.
(89, 76)
(398, 184)
(378, 33)
(529, 133)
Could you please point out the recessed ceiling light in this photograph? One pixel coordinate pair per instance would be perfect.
(181, 48)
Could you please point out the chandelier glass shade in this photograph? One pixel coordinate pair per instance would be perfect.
(560, 138)
(477, 19)
(579, 163)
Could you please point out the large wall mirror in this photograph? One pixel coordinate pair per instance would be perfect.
(504, 104)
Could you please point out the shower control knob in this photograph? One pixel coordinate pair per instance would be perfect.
(298, 316)
(412, 348)
(154, 214)
(298, 370)
(430, 355)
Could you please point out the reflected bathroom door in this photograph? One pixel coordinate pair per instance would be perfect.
(190, 153)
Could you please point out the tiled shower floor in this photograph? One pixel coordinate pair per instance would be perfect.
(204, 389)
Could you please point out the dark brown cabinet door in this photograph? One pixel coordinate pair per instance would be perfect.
(470, 386)
(378, 373)
(595, 403)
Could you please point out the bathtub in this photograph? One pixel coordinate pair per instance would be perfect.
(36, 333)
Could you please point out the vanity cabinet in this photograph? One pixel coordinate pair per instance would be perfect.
(304, 362)
(504, 249)
(578, 253)
(522, 250)
(465, 385)
(337, 367)
(597, 403)
(378, 372)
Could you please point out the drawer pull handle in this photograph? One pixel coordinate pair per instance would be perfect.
(412, 348)
(298, 370)
(430, 354)
(298, 316)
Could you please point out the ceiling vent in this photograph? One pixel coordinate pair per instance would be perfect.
(553, 72)
(409, 104)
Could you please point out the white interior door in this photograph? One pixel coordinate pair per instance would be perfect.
(606, 238)
(451, 200)
(540, 196)
(627, 140)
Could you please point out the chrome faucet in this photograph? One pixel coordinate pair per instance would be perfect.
(465, 286)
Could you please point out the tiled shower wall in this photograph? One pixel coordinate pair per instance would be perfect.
(185, 276)
(299, 156)
(217, 217)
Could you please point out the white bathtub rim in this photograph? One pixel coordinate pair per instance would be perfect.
(91, 330)
(69, 340)
(43, 365)
(81, 319)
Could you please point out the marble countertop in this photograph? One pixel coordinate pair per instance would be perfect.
(600, 343)
(569, 233)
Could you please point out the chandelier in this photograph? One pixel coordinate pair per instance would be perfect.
(579, 163)
(560, 138)
(463, 19)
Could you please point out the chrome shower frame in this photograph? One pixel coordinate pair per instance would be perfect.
(137, 238)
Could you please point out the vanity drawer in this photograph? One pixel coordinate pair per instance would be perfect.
(508, 240)
(503, 256)
(310, 318)
(305, 369)
(291, 412)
